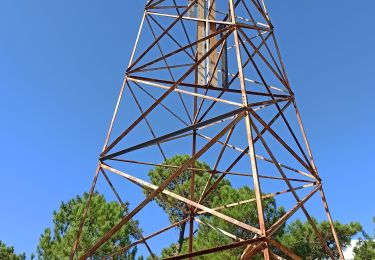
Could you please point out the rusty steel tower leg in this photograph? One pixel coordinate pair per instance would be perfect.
(206, 79)
(254, 167)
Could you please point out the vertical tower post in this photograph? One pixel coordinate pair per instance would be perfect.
(250, 140)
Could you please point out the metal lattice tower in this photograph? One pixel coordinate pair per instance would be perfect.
(206, 79)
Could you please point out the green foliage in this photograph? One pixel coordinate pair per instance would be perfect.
(177, 210)
(365, 248)
(207, 237)
(7, 253)
(181, 185)
(224, 194)
(302, 240)
(298, 236)
(57, 243)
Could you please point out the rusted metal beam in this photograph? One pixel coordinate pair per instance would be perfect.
(217, 249)
(173, 134)
(284, 249)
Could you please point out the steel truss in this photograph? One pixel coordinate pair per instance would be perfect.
(213, 70)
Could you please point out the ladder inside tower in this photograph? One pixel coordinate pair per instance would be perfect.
(208, 71)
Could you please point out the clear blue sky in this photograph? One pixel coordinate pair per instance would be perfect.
(61, 66)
